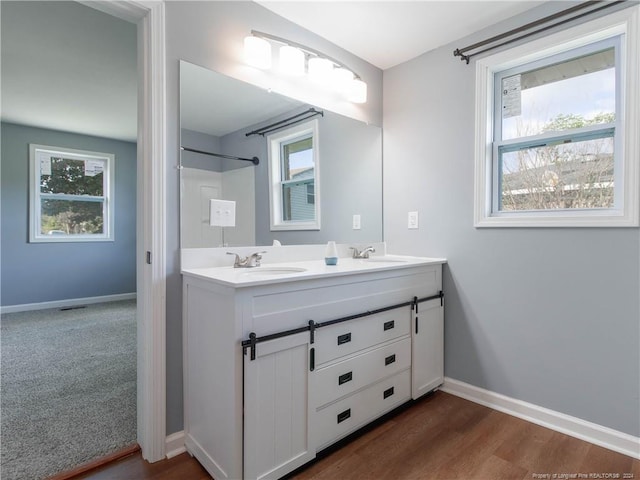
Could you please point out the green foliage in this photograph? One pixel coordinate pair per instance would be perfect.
(569, 121)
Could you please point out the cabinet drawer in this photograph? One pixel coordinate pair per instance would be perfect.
(344, 417)
(348, 337)
(343, 378)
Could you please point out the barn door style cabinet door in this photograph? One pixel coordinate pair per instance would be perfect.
(427, 354)
(276, 407)
(276, 371)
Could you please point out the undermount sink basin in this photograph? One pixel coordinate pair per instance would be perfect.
(273, 270)
(386, 260)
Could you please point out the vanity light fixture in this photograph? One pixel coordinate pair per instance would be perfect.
(291, 60)
(257, 52)
(297, 59)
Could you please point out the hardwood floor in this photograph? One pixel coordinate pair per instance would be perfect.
(440, 437)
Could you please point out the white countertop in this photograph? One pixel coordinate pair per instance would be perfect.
(269, 273)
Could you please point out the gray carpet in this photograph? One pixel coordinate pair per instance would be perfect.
(68, 387)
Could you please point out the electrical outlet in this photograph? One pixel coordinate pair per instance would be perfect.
(356, 222)
(413, 220)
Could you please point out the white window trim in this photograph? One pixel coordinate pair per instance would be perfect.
(275, 192)
(622, 22)
(34, 197)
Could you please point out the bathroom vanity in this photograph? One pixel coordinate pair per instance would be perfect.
(285, 359)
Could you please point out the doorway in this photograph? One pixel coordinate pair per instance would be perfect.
(150, 238)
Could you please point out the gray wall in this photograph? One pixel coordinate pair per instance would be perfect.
(210, 34)
(42, 272)
(204, 142)
(546, 315)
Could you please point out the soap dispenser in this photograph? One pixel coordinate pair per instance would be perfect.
(331, 254)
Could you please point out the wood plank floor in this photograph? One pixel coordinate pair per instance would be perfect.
(440, 437)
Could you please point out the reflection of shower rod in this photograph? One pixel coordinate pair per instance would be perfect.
(300, 117)
(254, 160)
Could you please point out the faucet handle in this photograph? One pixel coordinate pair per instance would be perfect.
(356, 252)
(258, 256)
(236, 263)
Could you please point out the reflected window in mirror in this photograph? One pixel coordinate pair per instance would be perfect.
(294, 175)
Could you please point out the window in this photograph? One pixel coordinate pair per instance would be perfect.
(71, 195)
(551, 148)
(293, 173)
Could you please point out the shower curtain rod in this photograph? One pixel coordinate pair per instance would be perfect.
(254, 160)
(460, 52)
(312, 112)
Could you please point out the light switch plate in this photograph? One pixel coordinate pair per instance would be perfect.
(356, 222)
(413, 220)
(222, 213)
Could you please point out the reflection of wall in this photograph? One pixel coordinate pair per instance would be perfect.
(544, 315)
(350, 181)
(198, 187)
(200, 141)
(43, 272)
(237, 185)
(235, 181)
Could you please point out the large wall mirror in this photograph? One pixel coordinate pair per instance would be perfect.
(318, 174)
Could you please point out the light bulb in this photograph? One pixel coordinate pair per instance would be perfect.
(291, 60)
(320, 70)
(358, 91)
(257, 52)
(341, 79)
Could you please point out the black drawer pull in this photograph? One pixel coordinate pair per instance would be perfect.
(389, 325)
(347, 377)
(388, 392)
(346, 338)
(344, 415)
(390, 359)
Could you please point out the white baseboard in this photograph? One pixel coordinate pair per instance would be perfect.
(71, 302)
(174, 444)
(590, 432)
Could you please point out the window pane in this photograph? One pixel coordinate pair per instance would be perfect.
(74, 177)
(295, 204)
(70, 217)
(298, 176)
(297, 159)
(571, 94)
(565, 176)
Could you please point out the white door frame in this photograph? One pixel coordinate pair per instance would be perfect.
(151, 218)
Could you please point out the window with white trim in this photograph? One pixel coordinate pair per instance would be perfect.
(294, 175)
(552, 115)
(71, 195)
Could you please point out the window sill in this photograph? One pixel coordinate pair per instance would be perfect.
(555, 220)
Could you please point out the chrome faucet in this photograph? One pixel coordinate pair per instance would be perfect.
(251, 261)
(364, 253)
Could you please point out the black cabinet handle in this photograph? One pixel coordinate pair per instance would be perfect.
(390, 359)
(347, 377)
(416, 324)
(388, 392)
(389, 325)
(312, 359)
(346, 338)
(344, 415)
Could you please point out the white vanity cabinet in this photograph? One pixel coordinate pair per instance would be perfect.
(331, 352)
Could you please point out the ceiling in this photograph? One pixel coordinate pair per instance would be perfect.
(69, 67)
(387, 33)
